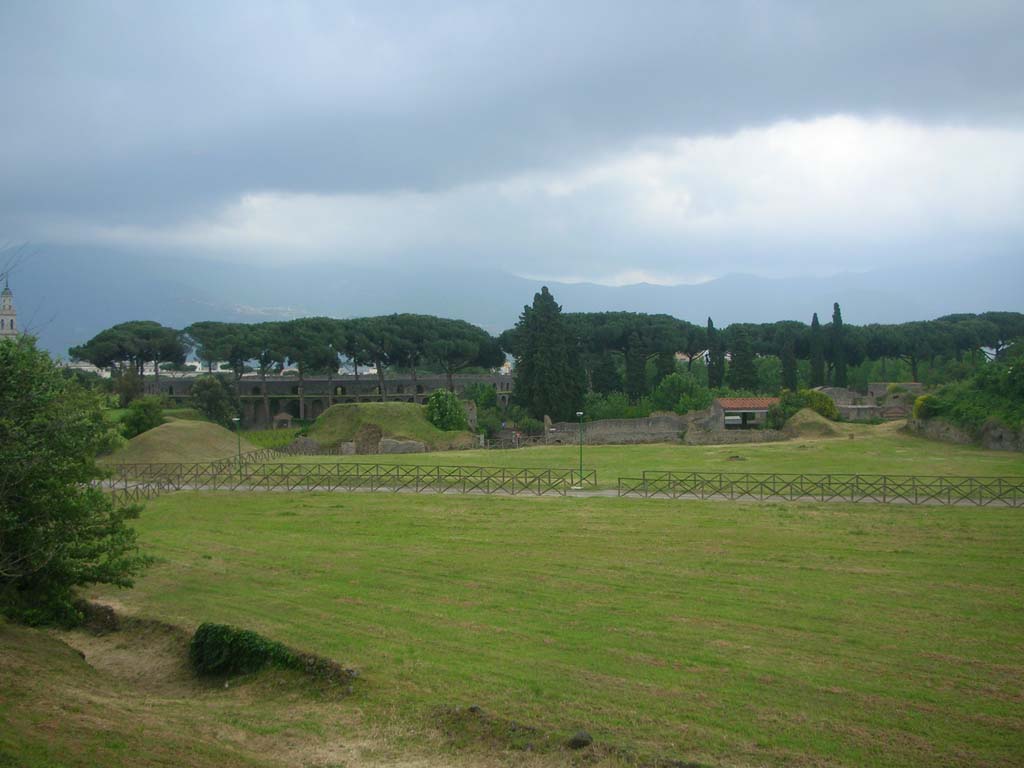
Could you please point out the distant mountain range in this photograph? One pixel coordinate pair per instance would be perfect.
(65, 295)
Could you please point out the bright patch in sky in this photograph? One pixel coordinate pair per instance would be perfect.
(770, 193)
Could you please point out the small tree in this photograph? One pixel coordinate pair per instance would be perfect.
(216, 400)
(445, 411)
(57, 531)
(143, 415)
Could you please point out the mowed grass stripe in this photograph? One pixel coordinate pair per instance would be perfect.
(764, 633)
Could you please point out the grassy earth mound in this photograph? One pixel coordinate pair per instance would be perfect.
(401, 421)
(808, 423)
(179, 441)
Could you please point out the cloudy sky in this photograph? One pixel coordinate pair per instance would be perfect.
(611, 142)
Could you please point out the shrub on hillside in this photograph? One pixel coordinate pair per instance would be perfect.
(144, 414)
(219, 649)
(445, 411)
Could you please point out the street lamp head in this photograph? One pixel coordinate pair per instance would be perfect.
(579, 414)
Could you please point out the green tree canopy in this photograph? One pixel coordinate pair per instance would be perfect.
(549, 378)
(57, 531)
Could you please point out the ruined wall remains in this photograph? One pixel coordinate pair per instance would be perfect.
(657, 428)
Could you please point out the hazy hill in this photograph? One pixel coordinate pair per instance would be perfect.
(68, 294)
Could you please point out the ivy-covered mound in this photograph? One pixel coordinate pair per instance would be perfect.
(792, 402)
(220, 649)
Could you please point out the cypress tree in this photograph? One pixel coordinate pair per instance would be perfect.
(788, 358)
(716, 358)
(838, 346)
(742, 371)
(549, 378)
(817, 354)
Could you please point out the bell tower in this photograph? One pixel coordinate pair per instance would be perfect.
(8, 316)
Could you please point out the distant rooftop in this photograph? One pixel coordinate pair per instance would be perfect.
(746, 403)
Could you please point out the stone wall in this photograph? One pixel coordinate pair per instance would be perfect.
(696, 428)
(993, 436)
(657, 428)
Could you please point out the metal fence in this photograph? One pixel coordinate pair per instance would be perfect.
(900, 489)
(142, 481)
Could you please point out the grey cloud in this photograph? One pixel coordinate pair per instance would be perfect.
(144, 113)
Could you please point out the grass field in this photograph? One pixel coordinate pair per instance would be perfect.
(757, 634)
(875, 449)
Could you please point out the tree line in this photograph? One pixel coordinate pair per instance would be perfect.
(314, 345)
(561, 357)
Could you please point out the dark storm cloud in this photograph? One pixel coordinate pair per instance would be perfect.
(141, 113)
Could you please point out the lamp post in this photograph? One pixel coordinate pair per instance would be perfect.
(238, 436)
(579, 415)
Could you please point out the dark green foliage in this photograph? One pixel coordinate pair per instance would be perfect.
(484, 395)
(220, 649)
(716, 357)
(216, 400)
(789, 365)
(636, 358)
(995, 393)
(615, 405)
(791, 402)
(143, 415)
(925, 407)
(56, 530)
(838, 347)
(605, 376)
(132, 345)
(742, 371)
(681, 393)
(445, 411)
(127, 385)
(549, 377)
(817, 349)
